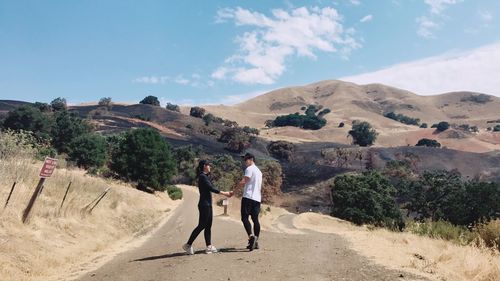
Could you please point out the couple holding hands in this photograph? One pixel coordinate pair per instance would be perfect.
(250, 204)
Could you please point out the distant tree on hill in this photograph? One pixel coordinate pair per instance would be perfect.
(363, 134)
(58, 104)
(152, 100)
(402, 118)
(424, 125)
(29, 118)
(173, 107)
(88, 151)
(106, 102)
(282, 150)
(43, 107)
(496, 128)
(428, 143)
(197, 112)
(442, 126)
(145, 157)
(208, 118)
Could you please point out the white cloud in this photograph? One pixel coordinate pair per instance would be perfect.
(366, 18)
(474, 70)
(355, 2)
(426, 27)
(485, 16)
(264, 50)
(152, 79)
(428, 24)
(196, 80)
(438, 6)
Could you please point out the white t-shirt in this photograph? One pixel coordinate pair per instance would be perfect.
(252, 187)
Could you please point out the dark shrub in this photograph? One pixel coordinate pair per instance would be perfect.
(173, 107)
(281, 150)
(29, 118)
(152, 100)
(197, 112)
(443, 126)
(88, 151)
(428, 142)
(363, 134)
(58, 104)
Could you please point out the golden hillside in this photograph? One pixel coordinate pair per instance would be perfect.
(349, 101)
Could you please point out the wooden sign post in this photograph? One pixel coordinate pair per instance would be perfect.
(47, 169)
(225, 203)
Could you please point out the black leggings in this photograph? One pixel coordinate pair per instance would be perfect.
(205, 222)
(250, 208)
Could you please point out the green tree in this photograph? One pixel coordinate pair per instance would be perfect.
(173, 107)
(67, 126)
(106, 102)
(443, 126)
(197, 112)
(226, 172)
(58, 104)
(428, 143)
(363, 134)
(366, 199)
(88, 151)
(145, 157)
(152, 100)
(29, 118)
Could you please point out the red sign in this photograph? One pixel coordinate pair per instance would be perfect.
(48, 167)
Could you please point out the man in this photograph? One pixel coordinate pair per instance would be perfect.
(250, 202)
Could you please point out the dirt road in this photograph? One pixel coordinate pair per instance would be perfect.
(302, 255)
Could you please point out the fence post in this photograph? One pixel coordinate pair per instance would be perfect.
(65, 194)
(36, 193)
(10, 194)
(97, 200)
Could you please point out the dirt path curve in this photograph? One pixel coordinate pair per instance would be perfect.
(304, 255)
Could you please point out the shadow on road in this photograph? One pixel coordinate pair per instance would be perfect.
(180, 254)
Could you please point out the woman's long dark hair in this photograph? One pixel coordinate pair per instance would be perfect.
(200, 167)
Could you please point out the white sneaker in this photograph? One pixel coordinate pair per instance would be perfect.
(211, 249)
(188, 248)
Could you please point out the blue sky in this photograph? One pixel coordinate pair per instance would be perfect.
(197, 52)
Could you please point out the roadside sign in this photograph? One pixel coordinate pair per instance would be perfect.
(225, 202)
(48, 167)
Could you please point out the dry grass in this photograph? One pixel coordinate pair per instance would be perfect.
(55, 240)
(434, 258)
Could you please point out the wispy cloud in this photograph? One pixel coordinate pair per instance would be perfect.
(355, 2)
(263, 51)
(428, 24)
(195, 80)
(438, 6)
(366, 18)
(473, 70)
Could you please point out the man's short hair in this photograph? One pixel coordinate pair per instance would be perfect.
(248, 156)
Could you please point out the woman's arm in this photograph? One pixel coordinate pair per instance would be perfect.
(212, 188)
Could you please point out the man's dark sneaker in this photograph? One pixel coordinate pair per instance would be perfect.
(251, 243)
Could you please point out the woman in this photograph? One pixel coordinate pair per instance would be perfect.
(205, 208)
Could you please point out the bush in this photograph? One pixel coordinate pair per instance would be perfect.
(58, 104)
(227, 172)
(282, 150)
(442, 126)
(17, 144)
(236, 139)
(186, 158)
(428, 143)
(174, 192)
(144, 156)
(441, 230)
(88, 151)
(424, 125)
(208, 118)
(43, 107)
(481, 98)
(67, 127)
(363, 134)
(197, 112)
(152, 100)
(105, 102)
(173, 107)
(309, 121)
(29, 118)
(250, 130)
(272, 179)
(496, 128)
(489, 233)
(402, 118)
(366, 199)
